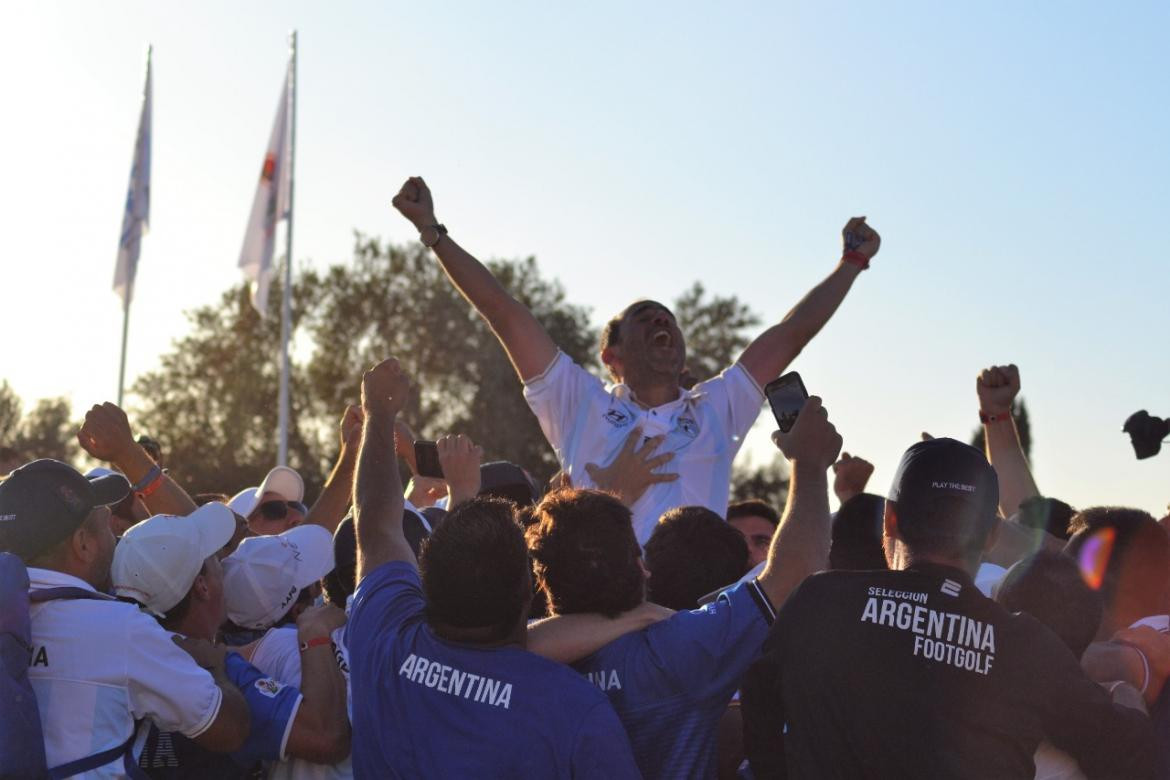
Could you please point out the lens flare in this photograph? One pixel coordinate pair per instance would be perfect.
(1094, 557)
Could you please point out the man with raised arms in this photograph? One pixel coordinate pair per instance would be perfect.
(644, 351)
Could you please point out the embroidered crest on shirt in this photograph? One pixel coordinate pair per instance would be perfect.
(617, 418)
(688, 427)
(268, 687)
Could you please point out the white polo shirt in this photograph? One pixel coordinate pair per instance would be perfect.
(278, 654)
(97, 666)
(587, 422)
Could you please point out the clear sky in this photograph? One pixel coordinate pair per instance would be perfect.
(1013, 156)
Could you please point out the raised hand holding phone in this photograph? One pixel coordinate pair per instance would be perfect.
(786, 395)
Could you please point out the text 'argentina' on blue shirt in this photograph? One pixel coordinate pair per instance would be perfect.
(426, 707)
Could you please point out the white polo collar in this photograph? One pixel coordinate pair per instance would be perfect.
(624, 392)
(51, 578)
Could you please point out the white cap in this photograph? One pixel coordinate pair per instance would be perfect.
(262, 578)
(157, 561)
(282, 481)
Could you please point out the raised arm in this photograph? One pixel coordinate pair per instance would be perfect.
(997, 388)
(105, 435)
(800, 545)
(772, 351)
(527, 343)
(330, 507)
(377, 490)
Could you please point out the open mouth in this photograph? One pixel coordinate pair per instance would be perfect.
(661, 338)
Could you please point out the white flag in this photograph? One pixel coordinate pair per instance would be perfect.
(269, 207)
(137, 216)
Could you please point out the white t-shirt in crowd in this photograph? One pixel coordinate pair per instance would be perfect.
(587, 422)
(278, 655)
(97, 666)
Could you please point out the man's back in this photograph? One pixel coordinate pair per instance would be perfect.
(670, 683)
(426, 707)
(97, 666)
(915, 674)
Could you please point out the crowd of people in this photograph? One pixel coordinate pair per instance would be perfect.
(625, 621)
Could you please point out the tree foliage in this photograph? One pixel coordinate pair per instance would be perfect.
(767, 482)
(45, 431)
(715, 329)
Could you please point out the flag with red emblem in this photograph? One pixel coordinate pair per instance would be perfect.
(269, 207)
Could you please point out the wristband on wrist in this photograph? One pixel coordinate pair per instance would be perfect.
(853, 257)
(988, 419)
(317, 642)
(148, 484)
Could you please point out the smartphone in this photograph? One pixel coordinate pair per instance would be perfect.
(426, 459)
(786, 396)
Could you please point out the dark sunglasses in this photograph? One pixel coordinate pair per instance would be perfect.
(278, 510)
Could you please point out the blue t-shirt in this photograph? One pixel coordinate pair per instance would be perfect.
(273, 707)
(670, 682)
(426, 707)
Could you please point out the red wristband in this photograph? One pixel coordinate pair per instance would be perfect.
(987, 419)
(153, 486)
(321, 640)
(856, 258)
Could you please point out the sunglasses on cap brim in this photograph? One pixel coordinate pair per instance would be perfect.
(278, 510)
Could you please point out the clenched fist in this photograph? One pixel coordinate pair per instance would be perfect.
(105, 434)
(414, 202)
(997, 388)
(385, 388)
(860, 237)
(851, 476)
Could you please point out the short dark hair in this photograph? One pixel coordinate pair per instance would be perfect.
(1049, 587)
(753, 507)
(584, 553)
(1136, 570)
(1047, 514)
(691, 553)
(474, 569)
(945, 525)
(856, 543)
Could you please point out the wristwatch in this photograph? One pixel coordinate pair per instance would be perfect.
(438, 231)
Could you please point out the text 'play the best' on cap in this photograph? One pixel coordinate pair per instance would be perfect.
(945, 468)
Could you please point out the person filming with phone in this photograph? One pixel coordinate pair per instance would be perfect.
(644, 351)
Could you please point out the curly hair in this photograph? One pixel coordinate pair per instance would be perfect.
(584, 553)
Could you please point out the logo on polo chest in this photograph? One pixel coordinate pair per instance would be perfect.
(688, 427)
(617, 418)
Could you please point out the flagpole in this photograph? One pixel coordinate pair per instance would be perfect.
(125, 332)
(286, 307)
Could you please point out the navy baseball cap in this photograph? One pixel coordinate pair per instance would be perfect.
(43, 502)
(945, 468)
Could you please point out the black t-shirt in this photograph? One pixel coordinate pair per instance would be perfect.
(915, 674)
